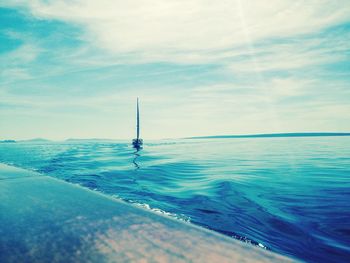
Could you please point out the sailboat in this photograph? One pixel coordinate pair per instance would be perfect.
(137, 143)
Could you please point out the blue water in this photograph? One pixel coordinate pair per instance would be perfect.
(288, 195)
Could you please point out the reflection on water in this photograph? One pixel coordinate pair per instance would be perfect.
(136, 153)
(288, 194)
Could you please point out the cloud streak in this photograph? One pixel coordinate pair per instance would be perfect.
(160, 30)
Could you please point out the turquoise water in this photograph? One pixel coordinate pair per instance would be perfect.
(288, 195)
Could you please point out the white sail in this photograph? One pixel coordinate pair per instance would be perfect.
(137, 143)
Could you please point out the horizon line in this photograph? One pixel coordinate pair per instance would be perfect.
(257, 135)
(265, 135)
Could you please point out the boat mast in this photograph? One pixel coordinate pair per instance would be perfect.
(138, 120)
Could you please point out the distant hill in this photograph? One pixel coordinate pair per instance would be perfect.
(7, 141)
(36, 140)
(86, 140)
(274, 135)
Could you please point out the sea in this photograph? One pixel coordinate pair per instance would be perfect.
(288, 195)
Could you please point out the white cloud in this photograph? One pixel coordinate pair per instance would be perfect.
(13, 64)
(189, 29)
(22, 55)
(291, 55)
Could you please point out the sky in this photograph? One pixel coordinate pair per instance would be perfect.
(73, 69)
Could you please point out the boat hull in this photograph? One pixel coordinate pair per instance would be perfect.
(137, 143)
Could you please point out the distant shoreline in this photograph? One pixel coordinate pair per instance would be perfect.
(262, 135)
(273, 135)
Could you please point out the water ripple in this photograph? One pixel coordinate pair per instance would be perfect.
(286, 195)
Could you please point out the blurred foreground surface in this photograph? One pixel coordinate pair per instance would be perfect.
(46, 220)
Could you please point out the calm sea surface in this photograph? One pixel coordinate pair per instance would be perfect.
(288, 195)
